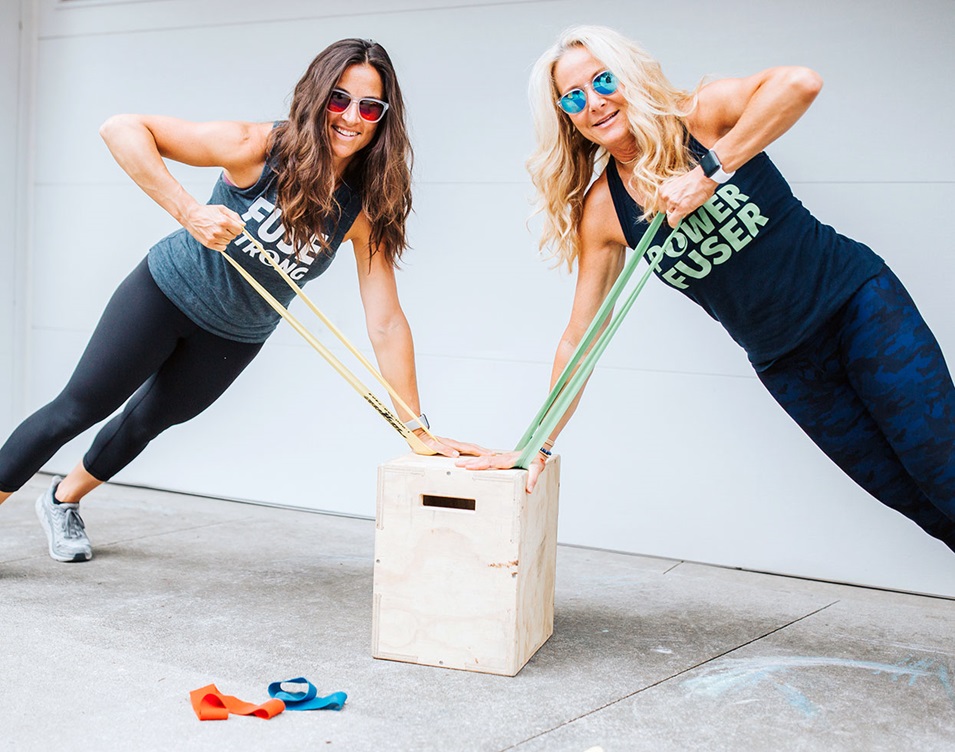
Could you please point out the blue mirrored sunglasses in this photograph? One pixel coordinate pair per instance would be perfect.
(576, 99)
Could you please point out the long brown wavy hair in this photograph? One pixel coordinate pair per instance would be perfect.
(380, 172)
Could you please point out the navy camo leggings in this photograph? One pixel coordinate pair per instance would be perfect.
(872, 390)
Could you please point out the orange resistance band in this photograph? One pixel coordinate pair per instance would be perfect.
(211, 705)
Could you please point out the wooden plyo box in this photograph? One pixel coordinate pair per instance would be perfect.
(464, 564)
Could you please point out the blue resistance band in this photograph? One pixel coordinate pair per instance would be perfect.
(307, 700)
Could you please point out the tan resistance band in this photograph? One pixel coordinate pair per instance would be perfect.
(418, 446)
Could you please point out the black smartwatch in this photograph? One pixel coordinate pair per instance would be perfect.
(713, 168)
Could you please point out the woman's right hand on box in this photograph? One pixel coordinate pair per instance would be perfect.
(505, 461)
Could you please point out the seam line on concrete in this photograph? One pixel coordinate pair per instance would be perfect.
(169, 532)
(668, 678)
(138, 537)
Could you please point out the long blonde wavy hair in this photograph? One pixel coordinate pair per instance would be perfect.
(564, 163)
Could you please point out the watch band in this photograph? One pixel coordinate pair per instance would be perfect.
(420, 422)
(713, 168)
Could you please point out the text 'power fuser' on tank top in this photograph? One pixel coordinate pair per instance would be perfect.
(754, 258)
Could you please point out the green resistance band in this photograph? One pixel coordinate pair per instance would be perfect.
(570, 381)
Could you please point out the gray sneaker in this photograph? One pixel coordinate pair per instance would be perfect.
(64, 527)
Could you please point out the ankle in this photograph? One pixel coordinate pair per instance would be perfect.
(67, 497)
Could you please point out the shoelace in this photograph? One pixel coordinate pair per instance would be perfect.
(73, 522)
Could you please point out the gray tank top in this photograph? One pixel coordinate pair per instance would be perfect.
(214, 295)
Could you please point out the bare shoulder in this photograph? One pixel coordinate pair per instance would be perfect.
(359, 234)
(598, 194)
(259, 136)
(599, 226)
(251, 143)
(716, 108)
(601, 256)
(720, 103)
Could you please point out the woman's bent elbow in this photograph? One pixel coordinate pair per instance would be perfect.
(113, 124)
(807, 82)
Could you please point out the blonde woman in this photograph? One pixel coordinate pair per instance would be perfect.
(183, 325)
(829, 329)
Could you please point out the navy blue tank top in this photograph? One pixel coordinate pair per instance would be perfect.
(210, 292)
(754, 258)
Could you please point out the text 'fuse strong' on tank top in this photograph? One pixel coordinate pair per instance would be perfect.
(213, 294)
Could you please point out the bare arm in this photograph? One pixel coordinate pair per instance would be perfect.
(387, 327)
(739, 118)
(140, 143)
(390, 333)
(601, 259)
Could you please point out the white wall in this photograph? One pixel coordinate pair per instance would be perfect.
(678, 451)
(9, 64)
(12, 189)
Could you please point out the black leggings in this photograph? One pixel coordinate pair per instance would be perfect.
(143, 344)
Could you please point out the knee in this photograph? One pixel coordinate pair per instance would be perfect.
(68, 416)
(146, 422)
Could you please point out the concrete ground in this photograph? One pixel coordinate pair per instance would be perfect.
(647, 654)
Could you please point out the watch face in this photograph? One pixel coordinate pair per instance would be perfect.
(419, 422)
(710, 163)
